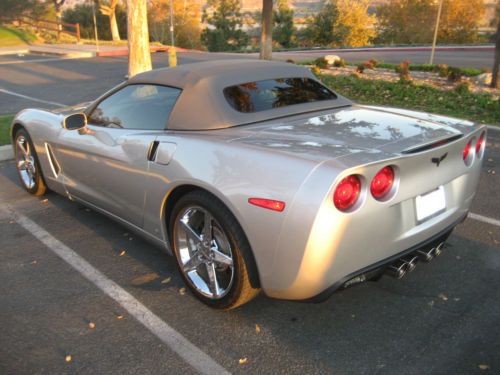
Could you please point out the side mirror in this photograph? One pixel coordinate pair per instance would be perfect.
(76, 121)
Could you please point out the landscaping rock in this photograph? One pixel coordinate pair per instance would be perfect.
(483, 79)
(330, 59)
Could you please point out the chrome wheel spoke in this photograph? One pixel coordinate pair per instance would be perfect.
(21, 165)
(221, 258)
(192, 263)
(213, 284)
(22, 146)
(190, 231)
(207, 227)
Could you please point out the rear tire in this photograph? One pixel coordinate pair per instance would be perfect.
(28, 165)
(207, 242)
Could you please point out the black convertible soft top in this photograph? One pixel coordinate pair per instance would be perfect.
(202, 105)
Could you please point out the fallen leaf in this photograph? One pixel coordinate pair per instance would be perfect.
(144, 279)
(34, 262)
(484, 367)
(243, 360)
(443, 296)
(122, 253)
(182, 291)
(45, 201)
(119, 317)
(431, 303)
(92, 325)
(257, 328)
(68, 358)
(166, 281)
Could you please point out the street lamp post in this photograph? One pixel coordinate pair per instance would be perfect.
(436, 32)
(95, 27)
(172, 55)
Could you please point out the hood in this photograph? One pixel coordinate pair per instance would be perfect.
(80, 107)
(355, 129)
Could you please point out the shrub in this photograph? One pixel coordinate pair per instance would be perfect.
(454, 74)
(404, 71)
(368, 64)
(360, 68)
(442, 69)
(340, 63)
(321, 63)
(463, 88)
(373, 62)
(471, 72)
(316, 71)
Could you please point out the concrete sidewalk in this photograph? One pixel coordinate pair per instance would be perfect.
(77, 50)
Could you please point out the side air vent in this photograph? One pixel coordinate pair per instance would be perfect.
(54, 165)
(428, 146)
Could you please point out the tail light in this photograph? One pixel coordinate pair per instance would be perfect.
(347, 192)
(480, 142)
(467, 154)
(382, 182)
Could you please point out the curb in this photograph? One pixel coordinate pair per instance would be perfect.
(392, 49)
(6, 153)
(14, 52)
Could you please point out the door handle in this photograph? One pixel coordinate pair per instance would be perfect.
(161, 152)
(153, 147)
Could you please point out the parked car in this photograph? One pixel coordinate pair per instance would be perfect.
(255, 176)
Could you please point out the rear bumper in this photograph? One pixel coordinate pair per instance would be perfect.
(378, 267)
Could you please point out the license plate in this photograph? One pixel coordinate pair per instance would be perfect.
(430, 204)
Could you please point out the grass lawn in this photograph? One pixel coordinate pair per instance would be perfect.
(481, 108)
(4, 129)
(12, 37)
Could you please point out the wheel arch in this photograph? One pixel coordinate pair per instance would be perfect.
(16, 126)
(179, 191)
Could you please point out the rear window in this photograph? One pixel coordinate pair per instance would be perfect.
(275, 93)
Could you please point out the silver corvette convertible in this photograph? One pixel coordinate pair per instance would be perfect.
(254, 175)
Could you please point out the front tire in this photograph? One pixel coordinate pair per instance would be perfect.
(207, 242)
(27, 164)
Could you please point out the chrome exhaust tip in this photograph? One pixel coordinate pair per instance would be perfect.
(411, 262)
(426, 255)
(439, 249)
(396, 269)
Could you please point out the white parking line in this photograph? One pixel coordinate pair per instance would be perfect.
(31, 98)
(484, 219)
(168, 335)
(49, 59)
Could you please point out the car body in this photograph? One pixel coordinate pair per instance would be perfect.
(292, 157)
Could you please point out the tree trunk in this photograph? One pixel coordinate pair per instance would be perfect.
(496, 72)
(266, 36)
(115, 35)
(139, 59)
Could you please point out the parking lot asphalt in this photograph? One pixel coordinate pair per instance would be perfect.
(443, 318)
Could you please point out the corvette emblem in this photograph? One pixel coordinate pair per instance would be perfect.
(438, 160)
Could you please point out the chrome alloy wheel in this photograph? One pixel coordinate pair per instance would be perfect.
(205, 254)
(25, 162)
